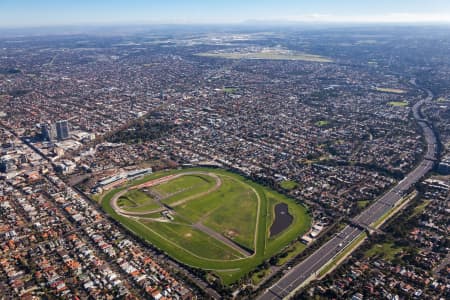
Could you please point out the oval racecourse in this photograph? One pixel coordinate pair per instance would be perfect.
(208, 218)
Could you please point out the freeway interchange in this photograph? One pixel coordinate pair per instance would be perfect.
(299, 274)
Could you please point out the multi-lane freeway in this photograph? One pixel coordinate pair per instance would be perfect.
(310, 266)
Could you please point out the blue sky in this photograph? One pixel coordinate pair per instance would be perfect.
(24, 13)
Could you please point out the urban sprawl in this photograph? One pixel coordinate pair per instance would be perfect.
(335, 131)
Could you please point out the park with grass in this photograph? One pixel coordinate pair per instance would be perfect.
(398, 103)
(390, 90)
(208, 218)
(288, 184)
(388, 251)
(322, 123)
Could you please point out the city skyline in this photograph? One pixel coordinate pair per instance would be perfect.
(58, 13)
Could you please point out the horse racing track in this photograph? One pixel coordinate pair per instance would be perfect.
(208, 218)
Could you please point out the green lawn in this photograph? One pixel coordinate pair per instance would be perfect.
(322, 123)
(390, 90)
(187, 182)
(194, 240)
(398, 103)
(420, 208)
(184, 186)
(231, 210)
(124, 202)
(288, 184)
(259, 276)
(138, 197)
(137, 201)
(143, 208)
(235, 216)
(229, 90)
(154, 215)
(362, 204)
(293, 250)
(387, 251)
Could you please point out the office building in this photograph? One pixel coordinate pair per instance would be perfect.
(62, 130)
(48, 132)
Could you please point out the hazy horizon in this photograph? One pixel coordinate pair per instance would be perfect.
(51, 13)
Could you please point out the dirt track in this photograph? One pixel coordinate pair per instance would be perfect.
(158, 181)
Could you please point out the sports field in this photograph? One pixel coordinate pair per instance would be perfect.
(207, 218)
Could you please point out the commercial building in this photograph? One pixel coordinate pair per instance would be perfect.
(7, 164)
(62, 130)
(48, 132)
